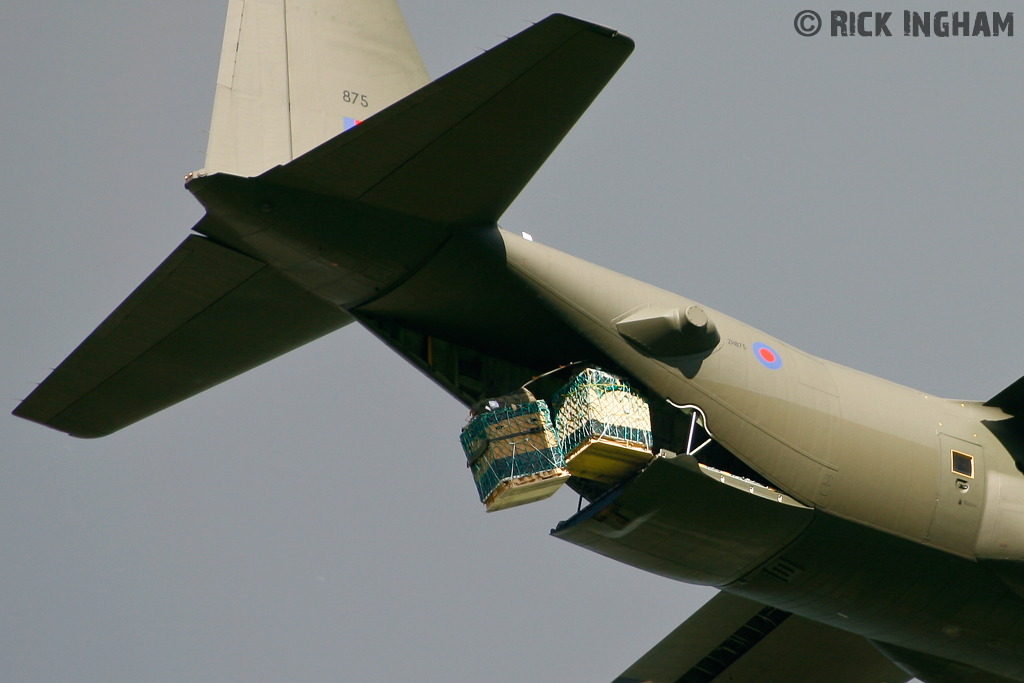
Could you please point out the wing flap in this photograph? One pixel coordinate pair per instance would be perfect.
(206, 314)
(735, 640)
(462, 148)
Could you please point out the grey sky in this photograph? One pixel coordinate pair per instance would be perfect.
(313, 519)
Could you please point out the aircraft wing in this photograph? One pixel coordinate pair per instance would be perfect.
(735, 640)
(206, 314)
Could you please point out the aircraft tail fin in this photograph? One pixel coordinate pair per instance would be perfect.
(295, 73)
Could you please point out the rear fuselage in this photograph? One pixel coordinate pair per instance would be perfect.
(877, 528)
(909, 533)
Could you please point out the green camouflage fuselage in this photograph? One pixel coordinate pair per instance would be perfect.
(876, 533)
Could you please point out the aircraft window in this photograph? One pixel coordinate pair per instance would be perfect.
(963, 464)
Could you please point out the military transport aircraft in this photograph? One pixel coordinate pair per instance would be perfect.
(858, 530)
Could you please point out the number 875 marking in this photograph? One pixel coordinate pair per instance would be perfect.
(355, 98)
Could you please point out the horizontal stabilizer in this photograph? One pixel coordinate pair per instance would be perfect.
(206, 314)
(1010, 400)
(459, 150)
(735, 640)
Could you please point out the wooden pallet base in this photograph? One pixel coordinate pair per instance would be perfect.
(526, 489)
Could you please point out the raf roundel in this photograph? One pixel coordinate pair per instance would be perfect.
(767, 355)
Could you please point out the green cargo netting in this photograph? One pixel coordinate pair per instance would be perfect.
(510, 441)
(594, 405)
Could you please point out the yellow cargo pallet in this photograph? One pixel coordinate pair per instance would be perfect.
(606, 460)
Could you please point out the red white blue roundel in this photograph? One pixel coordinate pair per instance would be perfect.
(767, 355)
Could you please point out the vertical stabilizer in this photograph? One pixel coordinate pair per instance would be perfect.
(295, 73)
